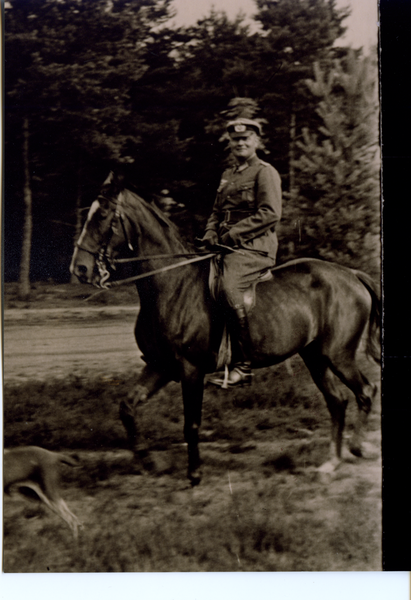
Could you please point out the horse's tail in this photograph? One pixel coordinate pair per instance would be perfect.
(373, 346)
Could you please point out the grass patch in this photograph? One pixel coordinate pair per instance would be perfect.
(82, 413)
(145, 525)
(258, 508)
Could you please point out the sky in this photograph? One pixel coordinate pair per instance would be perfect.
(362, 24)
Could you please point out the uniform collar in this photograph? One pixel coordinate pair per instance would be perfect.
(249, 163)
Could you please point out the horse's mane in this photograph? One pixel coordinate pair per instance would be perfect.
(159, 216)
(115, 184)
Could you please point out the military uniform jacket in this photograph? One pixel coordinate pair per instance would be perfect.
(248, 206)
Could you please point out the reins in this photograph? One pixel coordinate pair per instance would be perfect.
(198, 258)
(153, 257)
(184, 254)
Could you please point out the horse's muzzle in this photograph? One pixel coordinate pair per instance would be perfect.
(83, 266)
(81, 272)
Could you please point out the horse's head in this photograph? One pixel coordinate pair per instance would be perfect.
(104, 235)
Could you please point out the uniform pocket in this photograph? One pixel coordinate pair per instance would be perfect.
(247, 193)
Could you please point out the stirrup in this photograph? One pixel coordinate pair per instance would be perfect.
(236, 377)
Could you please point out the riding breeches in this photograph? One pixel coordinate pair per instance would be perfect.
(239, 271)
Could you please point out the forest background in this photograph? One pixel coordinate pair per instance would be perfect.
(94, 85)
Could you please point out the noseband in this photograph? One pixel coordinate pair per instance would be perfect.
(103, 257)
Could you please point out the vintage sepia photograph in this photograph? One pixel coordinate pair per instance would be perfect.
(192, 286)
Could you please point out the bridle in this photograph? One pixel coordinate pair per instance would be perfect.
(105, 261)
(103, 257)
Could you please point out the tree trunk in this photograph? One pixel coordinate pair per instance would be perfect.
(24, 279)
(77, 230)
(291, 158)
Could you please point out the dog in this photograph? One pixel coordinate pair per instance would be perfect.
(38, 469)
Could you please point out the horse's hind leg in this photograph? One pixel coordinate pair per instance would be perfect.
(326, 382)
(365, 392)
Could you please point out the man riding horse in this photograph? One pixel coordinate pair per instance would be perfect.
(317, 309)
(245, 213)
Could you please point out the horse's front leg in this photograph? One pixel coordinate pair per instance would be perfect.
(193, 389)
(148, 383)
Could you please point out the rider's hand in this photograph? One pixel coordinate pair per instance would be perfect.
(209, 240)
(227, 240)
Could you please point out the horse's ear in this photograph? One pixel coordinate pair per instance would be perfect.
(110, 189)
(116, 179)
(109, 178)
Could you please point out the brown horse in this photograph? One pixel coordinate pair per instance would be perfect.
(315, 308)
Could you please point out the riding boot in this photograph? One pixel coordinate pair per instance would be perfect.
(241, 372)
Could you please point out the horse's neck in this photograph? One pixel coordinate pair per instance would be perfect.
(168, 294)
(160, 241)
(155, 233)
(157, 236)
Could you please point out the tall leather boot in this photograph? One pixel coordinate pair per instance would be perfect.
(241, 372)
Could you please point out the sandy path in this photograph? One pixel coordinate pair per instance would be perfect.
(54, 343)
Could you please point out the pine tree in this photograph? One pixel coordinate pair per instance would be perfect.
(296, 34)
(69, 69)
(338, 170)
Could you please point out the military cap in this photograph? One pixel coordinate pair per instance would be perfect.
(243, 125)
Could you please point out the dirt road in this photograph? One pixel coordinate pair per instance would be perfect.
(40, 344)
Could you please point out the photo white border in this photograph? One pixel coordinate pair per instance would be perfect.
(203, 586)
(207, 586)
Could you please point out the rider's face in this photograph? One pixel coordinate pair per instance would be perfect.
(244, 145)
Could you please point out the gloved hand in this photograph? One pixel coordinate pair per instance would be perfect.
(227, 240)
(208, 240)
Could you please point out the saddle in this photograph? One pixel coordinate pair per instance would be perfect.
(224, 352)
(214, 280)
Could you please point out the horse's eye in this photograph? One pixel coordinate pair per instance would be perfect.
(104, 207)
(102, 214)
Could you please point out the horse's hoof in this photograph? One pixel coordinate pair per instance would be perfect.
(195, 478)
(356, 451)
(367, 451)
(147, 463)
(143, 460)
(328, 467)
